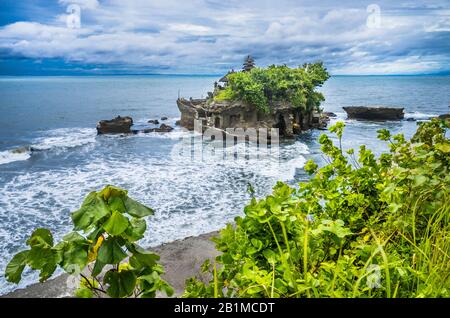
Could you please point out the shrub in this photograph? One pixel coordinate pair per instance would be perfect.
(265, 87)
(112, 223)
(361, 227)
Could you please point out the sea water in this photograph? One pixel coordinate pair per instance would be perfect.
(51, 157)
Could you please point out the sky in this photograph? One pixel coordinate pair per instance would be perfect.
(92, 37)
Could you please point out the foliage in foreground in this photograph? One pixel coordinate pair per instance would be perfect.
(361, 227)
(264, 87)
(113, 223)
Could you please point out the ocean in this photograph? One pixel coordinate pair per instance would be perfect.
(56, 117)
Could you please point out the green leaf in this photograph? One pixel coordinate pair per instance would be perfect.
(136, 209)
(121, 284)
(135, 230)
(98, 267)
(84, 292)
(40, 238)
(92, 210)
(15, 267)
(116, 224)
(142, 258)
(111, 252)
(43, 259)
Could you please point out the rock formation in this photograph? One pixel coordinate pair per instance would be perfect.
(118, 125)
(374, 112)
(226, 114)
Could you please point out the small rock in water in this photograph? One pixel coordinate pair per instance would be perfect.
(329, 114)
(162, 128)
(153, 121)
(118, 125)
(164, 118)
(410, 119)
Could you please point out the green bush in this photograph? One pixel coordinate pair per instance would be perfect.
(361, 227)
(264, 87)
(113, 223)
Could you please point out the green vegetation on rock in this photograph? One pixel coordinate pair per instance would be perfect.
(361, 227)
(265, 87)
(112, 223)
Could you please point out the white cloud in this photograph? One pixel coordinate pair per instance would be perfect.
(210, 36)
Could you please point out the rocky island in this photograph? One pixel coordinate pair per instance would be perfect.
(275, 97)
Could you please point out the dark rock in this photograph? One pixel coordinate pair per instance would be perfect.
(178, 123)
(118, 125)
(410, 119)
(329, 114)
(444, 117)
(238, 114)
(164, 128)
(164, 118)
(153, 121)
(374, 112)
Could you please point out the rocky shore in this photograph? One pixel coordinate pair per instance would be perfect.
(181, 260)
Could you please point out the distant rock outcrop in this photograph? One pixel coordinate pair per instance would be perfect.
(374, 112)
(118, 125)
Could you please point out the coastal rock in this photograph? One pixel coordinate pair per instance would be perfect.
(329, 114)
(374, 112)
(153, 121)
(226, 114)
(444, 117)
(164, 118)
(118, 125)
(163, 128)
(410, 119)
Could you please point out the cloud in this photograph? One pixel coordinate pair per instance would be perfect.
(204, 36)
(84, 4)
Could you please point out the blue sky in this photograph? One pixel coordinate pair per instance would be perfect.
(43, 37)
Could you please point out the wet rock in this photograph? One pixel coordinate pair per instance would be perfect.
(329, 114)
(153, 121)
(444, 117)
(374, 112)
(164, 118)
(410, 119)
(163, 128)
(118, 125)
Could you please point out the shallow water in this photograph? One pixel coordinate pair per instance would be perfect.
(56, 116)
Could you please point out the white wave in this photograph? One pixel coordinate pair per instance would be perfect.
(13, 155)
(419, 115)
(190, 197)
(65, 138)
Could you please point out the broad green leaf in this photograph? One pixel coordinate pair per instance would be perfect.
(92, 210)
(142, 258)
(44, 260)
(111, 252)
(98, 267)
(84, 292)
(74, 237)
(135, 230)
(75, 254)
(15, 267)
(116, 204)
(111, 191)
(136, 209)
(121, 284)
(41, 238)
(116, 224)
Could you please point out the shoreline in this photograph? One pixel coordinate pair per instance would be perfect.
(181, 260)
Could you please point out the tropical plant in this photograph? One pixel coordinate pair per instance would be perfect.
(112, 223)
(263, 88)
(361, 227)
